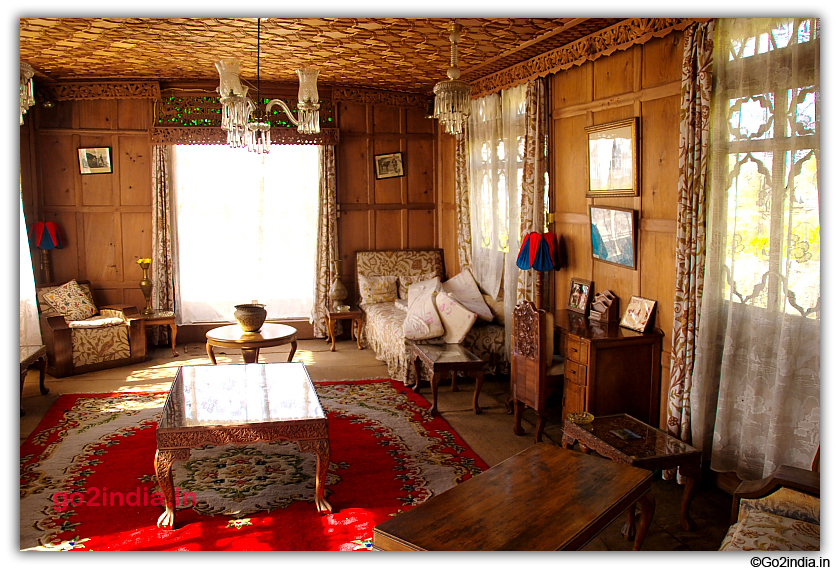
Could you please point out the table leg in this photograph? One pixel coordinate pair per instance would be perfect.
(210, 353)
(479, 382)
(293, 350)
(24, 371)
(435, 382)
(691, 475)
(164, 458)
(455, 381)
(518, 408)
(321, 449)
(540, 426)
(628, 531)
(568, 441)
(418, 369)
(648, 504)
(357, 324)
(250, 355)
(173, 330)
(331, 327)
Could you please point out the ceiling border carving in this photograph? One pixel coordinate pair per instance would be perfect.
(215, 135)
(380, 97)
(80, 90)
(621, 36)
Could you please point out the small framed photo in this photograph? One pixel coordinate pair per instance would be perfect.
(95, 160)
(639, 314)
(388, 165)
(580, 295)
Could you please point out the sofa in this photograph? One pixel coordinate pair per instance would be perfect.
(779, 512)
(384, 319)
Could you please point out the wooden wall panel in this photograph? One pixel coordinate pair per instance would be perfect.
(389, 229)
(102, 246)
(417, 123)
(660, 127)
(421, 229)
(572, 87)
(662, 61)
(615, 74)
(58, 163)
(135, 170)
(65, 261)
(133, 114)
(386, 119)
(352, 117)
(96, 114)
(419, 171)
(136, 234)
(355, 171)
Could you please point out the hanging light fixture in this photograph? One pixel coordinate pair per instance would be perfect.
(247, 125)
(27, 89)
(452, 97)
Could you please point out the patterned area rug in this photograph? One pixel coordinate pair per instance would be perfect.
(88, 479)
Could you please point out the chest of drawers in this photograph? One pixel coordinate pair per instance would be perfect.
(610, 369)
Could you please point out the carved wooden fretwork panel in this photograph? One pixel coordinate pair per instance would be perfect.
(100, 90)
(526, 330)
(293, 431)
(215, 135)
(380, 97)
(618, 37)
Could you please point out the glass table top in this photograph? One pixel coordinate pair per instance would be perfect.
(239, 394)
(634, 438)
(444, 353)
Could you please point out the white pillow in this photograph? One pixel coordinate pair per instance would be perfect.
(422, 321)
(377, 289)
(401, 304)
(497, 307)
(464, 288)
(419, 288)
(457, 319)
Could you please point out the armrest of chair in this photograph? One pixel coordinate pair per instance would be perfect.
(130, 311)
(785, 476)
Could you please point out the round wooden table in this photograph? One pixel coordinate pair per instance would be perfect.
(232, 336)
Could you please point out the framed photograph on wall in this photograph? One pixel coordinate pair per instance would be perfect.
(580, 295)
(388, 165)
(613, 235)
(613, 153)
(639, 314)
(95, 160)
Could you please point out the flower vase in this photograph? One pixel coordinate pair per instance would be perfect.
(338, 292)
(146, 285)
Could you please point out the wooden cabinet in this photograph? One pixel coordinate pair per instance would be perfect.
(610, 369)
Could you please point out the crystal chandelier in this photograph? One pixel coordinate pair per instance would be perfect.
(452, 97)
(246, 124)
(27, 89)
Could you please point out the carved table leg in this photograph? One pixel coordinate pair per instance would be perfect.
(479, 382)
(210, 353)
(518, 408)
(568, 441)
(250, 355)
(435, 383)
(292, 351)
(321, 449)
(540, 426)
(691, 474)
(173, 329)
(331, 330)
(454, 381)
(628, 531)
(42, 375)
(357, 325)
(648, 504)
(163, 468)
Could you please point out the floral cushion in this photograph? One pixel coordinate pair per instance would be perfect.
(457, 319)
(786, 502)
(767, 531)
(100, 344)
(96, 323)
(419, 288)
(70, 301)
(422, 320)
(406, 281)
(497, 307)
(464, 288)
(377, 288)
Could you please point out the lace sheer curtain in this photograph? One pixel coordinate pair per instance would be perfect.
(30, 328)
(756, 402)
(246, 229)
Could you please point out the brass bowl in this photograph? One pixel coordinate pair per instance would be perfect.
(581, 418)
(250, 317)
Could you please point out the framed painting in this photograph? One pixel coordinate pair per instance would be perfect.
(639, 314)
(95, 160)
(580, 295)
(613, 156)
(388, 165)
(613, 235)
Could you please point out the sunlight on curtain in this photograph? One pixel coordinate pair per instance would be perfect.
(757, 373)
(246, 229)
(30, 330)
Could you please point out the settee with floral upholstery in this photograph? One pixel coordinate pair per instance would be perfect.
(81, 337)
(779, 512)
(385, 278)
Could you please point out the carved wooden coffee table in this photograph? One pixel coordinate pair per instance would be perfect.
(625, 439)
(232, 336)
(240, 403)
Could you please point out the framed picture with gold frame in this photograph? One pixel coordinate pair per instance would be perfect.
(580, 295)
(613, 158)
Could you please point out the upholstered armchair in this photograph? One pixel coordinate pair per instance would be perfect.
(81, 337)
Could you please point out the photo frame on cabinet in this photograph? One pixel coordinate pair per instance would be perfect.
(639, 314)
(388, 165)
(580, 295)
(613, 232)
(95, 160)
(613, 158)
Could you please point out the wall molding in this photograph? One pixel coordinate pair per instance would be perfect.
(81, 90)
(380, 97)
(215, 135)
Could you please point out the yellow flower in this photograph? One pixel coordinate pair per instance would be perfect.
(143, 260)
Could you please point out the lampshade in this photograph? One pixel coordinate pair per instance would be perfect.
(46, 235)
(538, 251)
(27, 89)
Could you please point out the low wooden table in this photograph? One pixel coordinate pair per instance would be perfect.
(653, 449)
(240, 403)
(232, 336)
(32, 355)
(159, 317)
(544, 498)
(356, 315)
(445, 359)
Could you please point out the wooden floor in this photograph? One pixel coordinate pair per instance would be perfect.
(489, 434)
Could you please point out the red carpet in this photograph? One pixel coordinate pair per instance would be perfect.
(88, 482)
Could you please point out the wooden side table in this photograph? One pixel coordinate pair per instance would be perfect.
(31, 355)
(356, 315)
(162, 318)
(444, 359)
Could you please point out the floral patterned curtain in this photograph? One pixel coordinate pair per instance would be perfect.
(532, 206)
(696, 95)
(162, 269)
(327, 240)
(462, 199)
(755, 398)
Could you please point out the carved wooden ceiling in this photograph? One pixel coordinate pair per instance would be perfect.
(409, 55)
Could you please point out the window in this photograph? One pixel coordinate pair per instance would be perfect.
(771, 143)
(246, 229)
